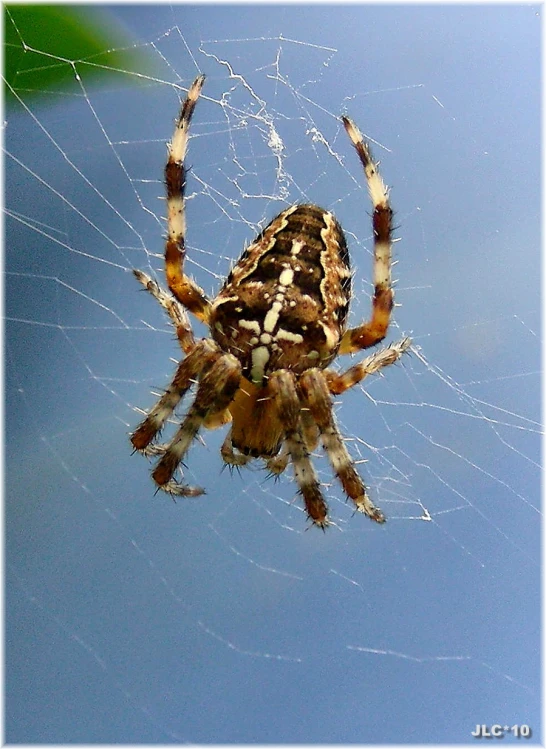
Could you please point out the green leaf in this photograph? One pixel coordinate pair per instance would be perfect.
(47, 46)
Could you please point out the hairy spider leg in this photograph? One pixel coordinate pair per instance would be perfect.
(339, 382)
(172, 307)
(187, 371)
(217, 386)
(183, 288)
(317, 396)
(282, 386)
(371, 332)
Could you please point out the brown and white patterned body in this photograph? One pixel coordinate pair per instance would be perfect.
(285, 303)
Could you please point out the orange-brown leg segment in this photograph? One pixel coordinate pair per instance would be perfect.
(232, 457)
(282, 387)
(217, 387)
(173, 308)
(186, 373)
(373, 331)
(317, 396)
(184, 288)
(340, 382)
(278, 463)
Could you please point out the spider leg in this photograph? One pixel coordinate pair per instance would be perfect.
(278, 463)
(371, 332)
(172, 307)
(339, 383)
(229, 456)
(187, 371)
(183, 288)
(217, 387)
(317, 396)
(282, 385)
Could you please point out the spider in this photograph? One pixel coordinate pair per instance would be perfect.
(276, 325)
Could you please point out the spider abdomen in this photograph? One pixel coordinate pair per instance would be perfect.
(285, 303)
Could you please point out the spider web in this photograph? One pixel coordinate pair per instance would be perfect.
(220, 619)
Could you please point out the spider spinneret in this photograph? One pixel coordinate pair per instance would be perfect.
(276, 325)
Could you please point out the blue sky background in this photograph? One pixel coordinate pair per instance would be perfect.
(223, 619)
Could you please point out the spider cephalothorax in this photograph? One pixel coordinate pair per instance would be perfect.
(276, 325)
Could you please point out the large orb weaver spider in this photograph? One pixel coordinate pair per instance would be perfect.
(276, 325)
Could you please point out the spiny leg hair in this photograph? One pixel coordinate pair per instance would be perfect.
(317, 396)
